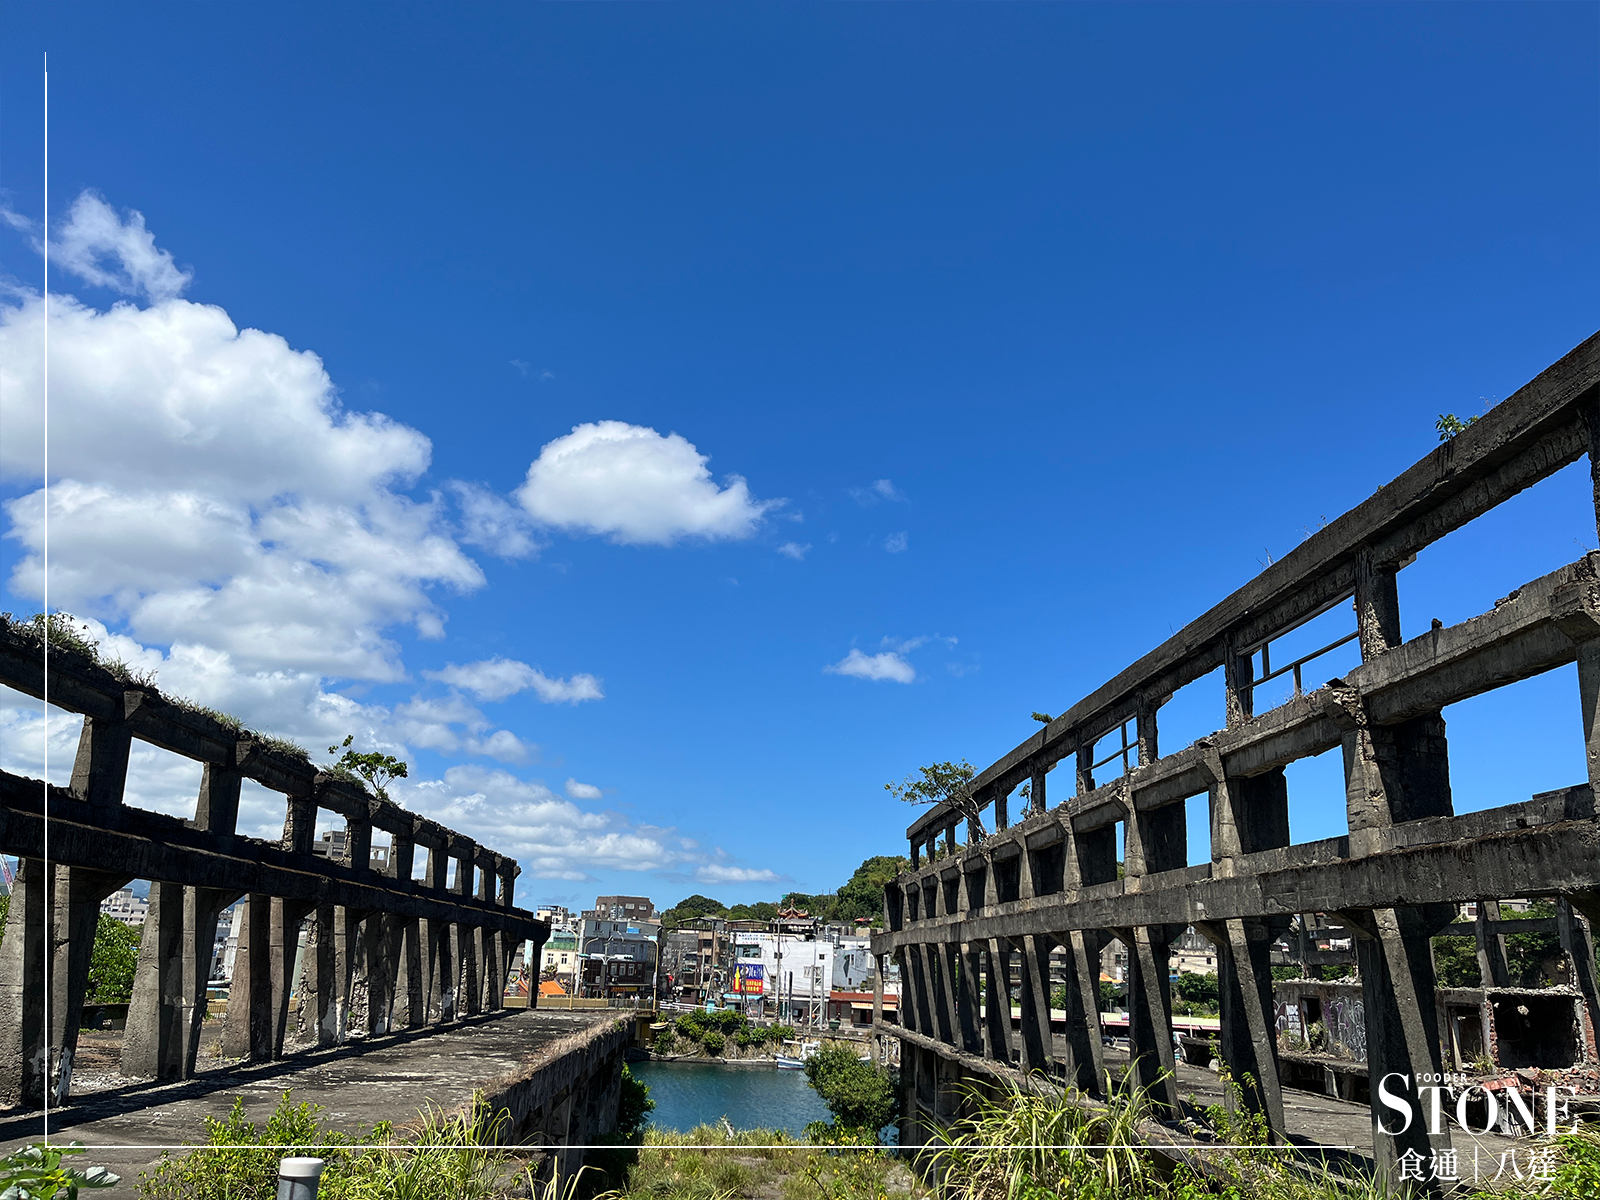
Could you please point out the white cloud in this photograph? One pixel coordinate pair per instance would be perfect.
(551, 837)
(887, 665)
(218, 516)
(637, 487)
(489, 521)
(794, 550)
(107, 251)
(878, 490)
(895, 543)
(717, 873)
(498, 678)
(582, 791)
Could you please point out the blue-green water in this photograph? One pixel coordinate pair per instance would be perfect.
(690, 1094)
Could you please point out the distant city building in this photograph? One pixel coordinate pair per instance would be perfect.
(122, 905)
(559, 916)
(618, 908)
(332, 846)
(560, 957)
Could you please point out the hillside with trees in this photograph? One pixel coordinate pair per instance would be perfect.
(860, 897)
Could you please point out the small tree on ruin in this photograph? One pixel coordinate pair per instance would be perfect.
(943, 783)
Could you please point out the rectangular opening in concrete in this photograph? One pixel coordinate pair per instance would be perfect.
(1529, 535)
(1198, 708)
(1516, 741)
(1317, 807)
(1197, 817)
(1115, 754)
(262, 811)
(24, 744)
(163, 782)
(1302, 659)
(1008, 879)
(1533, 1030)
(1049, 868)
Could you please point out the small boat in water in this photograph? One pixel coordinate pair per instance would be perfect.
(794, 1062)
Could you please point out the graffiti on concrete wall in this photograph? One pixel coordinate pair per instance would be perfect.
(1287, 1014)
(1346, 1019)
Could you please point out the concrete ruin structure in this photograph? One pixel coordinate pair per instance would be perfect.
(970, 916)
(426, 951)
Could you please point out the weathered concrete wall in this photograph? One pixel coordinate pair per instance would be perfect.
(423, 950)
(969, 919)
(567, 1098)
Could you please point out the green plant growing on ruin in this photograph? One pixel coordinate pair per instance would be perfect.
(376, 770)
(861, 1096)
(1449, 425)
(634, 1106)
(943, 783)
(1043, 718)
(112, 962)
(35, 1173)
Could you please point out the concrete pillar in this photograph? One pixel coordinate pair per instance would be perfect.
(1037, 799)
(347, 947)
(1589, 704)
(922, 988)
(411, 979)
(997, 1003)
(247, 1032)
(1394, 957)
(1249, 1043)
(1035, 1007)
(941, 986)
(285, 963)
(100, 771)
(168, 1006)
(24, 1057)
(1377, 603)
(1492, 968)
(217, 809)
(969, 962)
(1150, 1015)
(1085, 1064)
(1590, 413)
(380, 942)
(75, 919)
(1577, 940)
(300, 825)
(319, 1000)
(908, 1004)
(1238, 670)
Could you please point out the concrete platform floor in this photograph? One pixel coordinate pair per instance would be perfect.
(359, 1084)
(1316, 1121)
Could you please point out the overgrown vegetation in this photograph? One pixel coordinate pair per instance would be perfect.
(61, 631)
(36, 1173)
(768, 1163)
(710, 1034)
(112, 962)
(861, 1096)
(373, 770)
(448, 1155)
(1531, 958)
(943, 783)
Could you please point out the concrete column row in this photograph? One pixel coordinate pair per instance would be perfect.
(415, 972)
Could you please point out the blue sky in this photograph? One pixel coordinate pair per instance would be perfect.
(1030, 332)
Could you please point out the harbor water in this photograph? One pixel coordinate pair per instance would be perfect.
(753, 1097)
